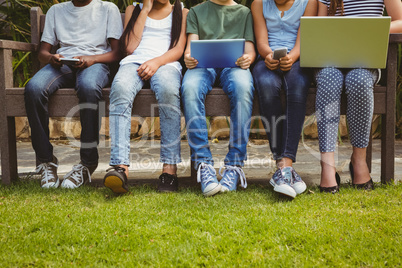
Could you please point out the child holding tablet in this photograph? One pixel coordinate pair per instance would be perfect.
(153, 41)
(94, 47)
(276, 25)
(219, 19)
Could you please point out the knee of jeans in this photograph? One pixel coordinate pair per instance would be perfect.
(267, 86)
(34, 91)
(89, 92)
(168, 95)
(244, 92)
(359, 81)
(297, 97)
(189, 93)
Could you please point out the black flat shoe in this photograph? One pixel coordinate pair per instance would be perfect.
(363, 186)
(333, 189)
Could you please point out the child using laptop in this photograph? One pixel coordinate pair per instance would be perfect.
(219, 19)
(276, 25)
(153, 41)
(358, 84)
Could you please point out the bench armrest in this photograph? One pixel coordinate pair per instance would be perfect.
(20, 46)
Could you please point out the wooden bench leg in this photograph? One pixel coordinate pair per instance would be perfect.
(193, 171)
(369, 152)
(388, 119)
(8, 151)
(387, 148)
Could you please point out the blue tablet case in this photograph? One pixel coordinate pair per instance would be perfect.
(218, 53)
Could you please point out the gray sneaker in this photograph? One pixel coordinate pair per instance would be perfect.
(48, 174)
(79, 175)
(281, 181)
(297, 183)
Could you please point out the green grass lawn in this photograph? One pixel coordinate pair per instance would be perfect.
(253, 227)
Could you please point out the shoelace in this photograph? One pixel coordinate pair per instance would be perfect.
(207, 172)
(229, 179)
(46, 170)
(76, 173)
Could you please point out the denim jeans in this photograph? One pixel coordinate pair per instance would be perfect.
(88, 83)
(283, 126)
(126, 84)
(238, 85)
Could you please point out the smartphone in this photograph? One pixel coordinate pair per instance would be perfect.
(69, 61)
(279, 53)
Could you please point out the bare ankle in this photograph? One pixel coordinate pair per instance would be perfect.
(170, 169)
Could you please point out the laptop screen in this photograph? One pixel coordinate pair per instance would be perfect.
(344, 42)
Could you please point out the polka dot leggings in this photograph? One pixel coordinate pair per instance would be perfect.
(359, 84)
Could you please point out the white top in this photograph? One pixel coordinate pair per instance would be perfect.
(155, 42)
(82, 30)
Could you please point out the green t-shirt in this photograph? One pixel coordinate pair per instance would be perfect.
(212, 21)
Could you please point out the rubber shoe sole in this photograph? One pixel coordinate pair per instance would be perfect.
(115, 184)
(213, 191)
(283, 189)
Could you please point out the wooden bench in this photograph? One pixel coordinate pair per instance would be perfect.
(217, 103)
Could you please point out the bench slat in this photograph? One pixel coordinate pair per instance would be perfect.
(217, 103)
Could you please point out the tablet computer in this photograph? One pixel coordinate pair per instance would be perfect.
(217, 53)
(344, 42)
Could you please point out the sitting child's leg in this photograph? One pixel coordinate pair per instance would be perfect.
(238, 85)
(166, 84)
(125, 86)
(197, 83)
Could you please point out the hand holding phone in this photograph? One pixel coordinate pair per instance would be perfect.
(279, 53)
(69, 61)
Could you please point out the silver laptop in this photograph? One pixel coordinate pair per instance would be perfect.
(217, 53)
(344, 42)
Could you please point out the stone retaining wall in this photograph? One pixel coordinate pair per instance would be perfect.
(60, 128)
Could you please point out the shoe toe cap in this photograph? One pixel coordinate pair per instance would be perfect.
(49, 184)
(299, 187)
(211, 189)
(68, 184)
(224, 189)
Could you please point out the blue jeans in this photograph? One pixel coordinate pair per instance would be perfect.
(238, 85)
(88, 83)
(126, 84)
(283, 125)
